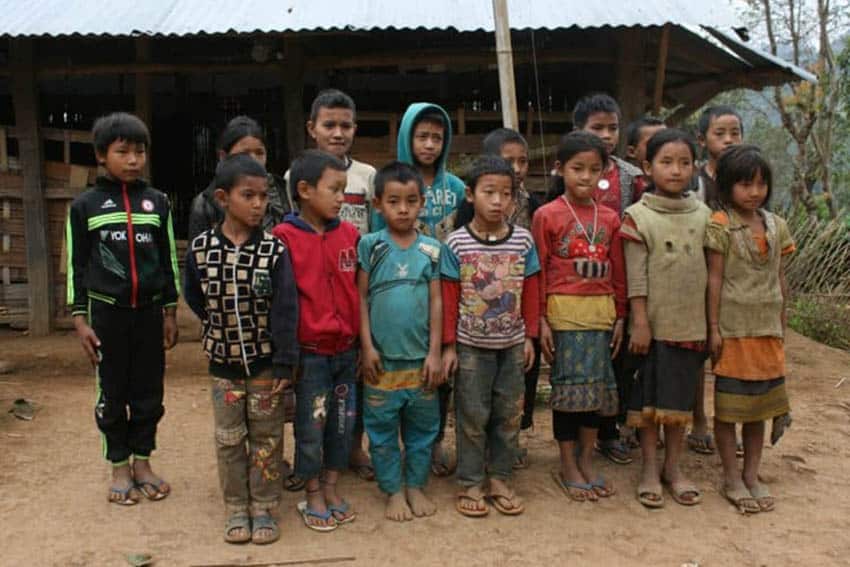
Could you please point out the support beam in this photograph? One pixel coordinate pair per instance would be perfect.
(661, 69)
(143, 102)
(293, 98)
(505, 59)
(25, 102)
(630, 90)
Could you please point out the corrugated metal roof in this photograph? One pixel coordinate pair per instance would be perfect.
(757, 57)
(192, 17)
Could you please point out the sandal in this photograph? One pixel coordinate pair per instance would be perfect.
(575, 491)
(239, 520)
(154, 490)
(679, 491)
(601, 488)
(614, 451)
(342, 509)
(123, 496)
(741, 498)
(440, 466)
(507, 503)
(307, 513)
(264, 522)
(702, 444)
(649, 496)
(293, 483)
(472, 494)
(763, 498)
(778, 427)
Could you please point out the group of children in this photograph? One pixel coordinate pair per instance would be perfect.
(373, 295)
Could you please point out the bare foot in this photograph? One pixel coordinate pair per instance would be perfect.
(397, 509)
(420, 504)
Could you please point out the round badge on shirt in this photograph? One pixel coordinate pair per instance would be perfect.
(603, 184)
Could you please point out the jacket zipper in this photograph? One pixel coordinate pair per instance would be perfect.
(238, 318)
(131, 242)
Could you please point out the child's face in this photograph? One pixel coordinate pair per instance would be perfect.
(491, 197)
(581, 174)
(517, 155)
(251, 146)
(672, 168)
(333, 130)
(246, 201)
(723, 131)
(399, 204)
(638, 153)
(749, 195)
(326, 198)
(605, 125)
(124, 160)
(427, 143)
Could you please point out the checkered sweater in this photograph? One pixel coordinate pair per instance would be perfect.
(246, 297)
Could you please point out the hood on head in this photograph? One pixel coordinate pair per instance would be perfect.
(404, 146)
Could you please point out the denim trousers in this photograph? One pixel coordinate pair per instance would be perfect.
(325, 410)
(488, 404)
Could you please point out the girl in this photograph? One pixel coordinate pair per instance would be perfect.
(242, 135)
(663, 235)
(582, 273)
(746, 314)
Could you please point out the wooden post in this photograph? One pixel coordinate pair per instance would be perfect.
(4, 158)
(461, 120)
(25, 102)
(293, 97)
(505, 58)
(393, 133)
(631, 82)
(661, 70)
(143, 103)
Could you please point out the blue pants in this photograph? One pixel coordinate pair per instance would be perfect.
(325, 408)
(417, 413)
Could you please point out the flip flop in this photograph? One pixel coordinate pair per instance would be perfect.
(307, 513)
(123, 496)
(679, 490)
(702, 444)
(440, 466)
(153, 490)
(264, 522)
(778, 427)
(586, 489)
(615, 451)
(342, 509)
(601, 488)
(739, 450)
(649, 497)
(763, 497)
(480, 500)
(236, 521)
(741, 498)
(293, 483)
(498, 500)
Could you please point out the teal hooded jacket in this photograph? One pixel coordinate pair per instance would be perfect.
(443, 197)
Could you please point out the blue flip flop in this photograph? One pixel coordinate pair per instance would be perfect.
(565, 485)
(307, 512)
(342, 509)
(600, 483)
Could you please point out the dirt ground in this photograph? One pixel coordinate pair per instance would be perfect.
(53, 508)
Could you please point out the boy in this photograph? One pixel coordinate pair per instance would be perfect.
(621, 185)
(399, 273)
(324, 259)
(424, 141)
(122, 289)
(239, 282)
(511, 146)
(490, 316)
(638, 134)
(332, 126)
(720, 127)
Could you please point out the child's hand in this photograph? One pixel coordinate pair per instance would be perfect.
(432, 371)
(169, 329)
(279, 385)
(715, 344)
(449, 361)
(88, 339)
(370, 364)
(528, 355)
(616, 338)
(641, 336)
(547, 343)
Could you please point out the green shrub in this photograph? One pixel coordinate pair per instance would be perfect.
(824, 318)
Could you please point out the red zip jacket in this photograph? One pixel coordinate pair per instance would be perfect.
(325, 268)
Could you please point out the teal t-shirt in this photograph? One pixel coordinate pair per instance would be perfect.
(398, 293)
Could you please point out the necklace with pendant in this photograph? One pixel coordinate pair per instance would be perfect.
(591, 238)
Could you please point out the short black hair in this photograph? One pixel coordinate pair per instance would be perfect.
(633, 130)
(667, 136)
(238, 128)
(432, 117)
(331, 98)
(712, 112)
(490, 165)
(397, 171)
(591, 104)
(571, 144)
(231, 169)
(309, 167)
(493, 142)
(741, 163)
(119, 126)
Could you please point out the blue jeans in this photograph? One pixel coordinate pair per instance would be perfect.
(325, 408)
(488, 402)
(417, 413)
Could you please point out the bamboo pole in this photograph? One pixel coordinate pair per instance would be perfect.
(504, 54)
(661, 69)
